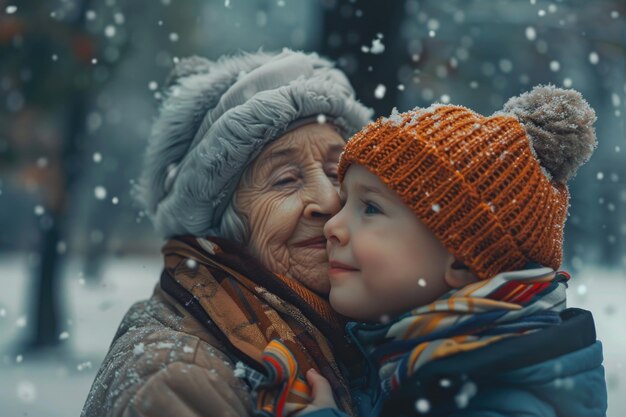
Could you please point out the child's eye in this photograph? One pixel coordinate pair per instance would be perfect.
(371, 208)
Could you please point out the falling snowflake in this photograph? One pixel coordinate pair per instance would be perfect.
(555, 66)
(616, 100)
(531, 33)
(61, 247)
(84, 365)
(422, 406)
(100, 192)
(26, 391)
(380, 91)
(109, 31)
(421, 282)
(468, 390)
(377, 47)
(119, 18)
(505, 65)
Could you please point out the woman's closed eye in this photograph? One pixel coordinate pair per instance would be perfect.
(285, 180)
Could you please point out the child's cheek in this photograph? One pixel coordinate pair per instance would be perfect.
(374, 256)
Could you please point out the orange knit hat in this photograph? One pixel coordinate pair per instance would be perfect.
(492, 189)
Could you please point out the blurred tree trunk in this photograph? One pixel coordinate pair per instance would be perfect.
(48, 313)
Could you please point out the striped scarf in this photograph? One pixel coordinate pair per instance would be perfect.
(278, 327)
(509, 304)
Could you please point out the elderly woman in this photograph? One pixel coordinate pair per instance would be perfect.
(240, 176)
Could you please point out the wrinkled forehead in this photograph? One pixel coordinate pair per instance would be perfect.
(309, 143)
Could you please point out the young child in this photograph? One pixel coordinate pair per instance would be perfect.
(449, 239)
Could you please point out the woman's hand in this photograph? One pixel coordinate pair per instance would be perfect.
(322, 393)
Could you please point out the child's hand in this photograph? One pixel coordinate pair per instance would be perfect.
(322, 393)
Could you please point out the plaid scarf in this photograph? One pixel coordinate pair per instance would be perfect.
(509, 304)
(273, 323)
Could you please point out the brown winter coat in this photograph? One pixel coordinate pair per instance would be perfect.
(165, 362)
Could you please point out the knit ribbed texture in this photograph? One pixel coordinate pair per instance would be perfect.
(474, 181)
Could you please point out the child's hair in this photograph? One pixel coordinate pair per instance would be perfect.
(492, 189)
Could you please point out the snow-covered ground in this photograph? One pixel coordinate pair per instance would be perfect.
(55, 384)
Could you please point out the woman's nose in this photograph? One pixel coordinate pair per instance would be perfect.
(323, 199)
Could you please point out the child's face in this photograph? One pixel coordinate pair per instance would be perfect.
(383, 260)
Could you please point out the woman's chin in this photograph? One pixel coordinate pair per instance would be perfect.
(315, 279)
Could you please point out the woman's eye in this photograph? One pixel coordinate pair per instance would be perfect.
(371, 209)
(285, 181)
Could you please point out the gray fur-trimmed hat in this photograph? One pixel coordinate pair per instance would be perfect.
(216, 118)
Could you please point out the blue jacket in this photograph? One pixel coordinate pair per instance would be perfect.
(554, 372)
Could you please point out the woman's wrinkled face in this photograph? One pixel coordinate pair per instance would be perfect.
(287, 195)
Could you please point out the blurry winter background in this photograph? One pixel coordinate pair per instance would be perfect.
(79, 87)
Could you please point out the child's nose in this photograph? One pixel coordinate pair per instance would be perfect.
(335, 231)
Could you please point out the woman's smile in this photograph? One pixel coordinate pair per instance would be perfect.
(316, 242)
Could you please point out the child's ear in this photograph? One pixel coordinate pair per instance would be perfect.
(458, 275)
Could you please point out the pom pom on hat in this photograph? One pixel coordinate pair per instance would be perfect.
(559, 124)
